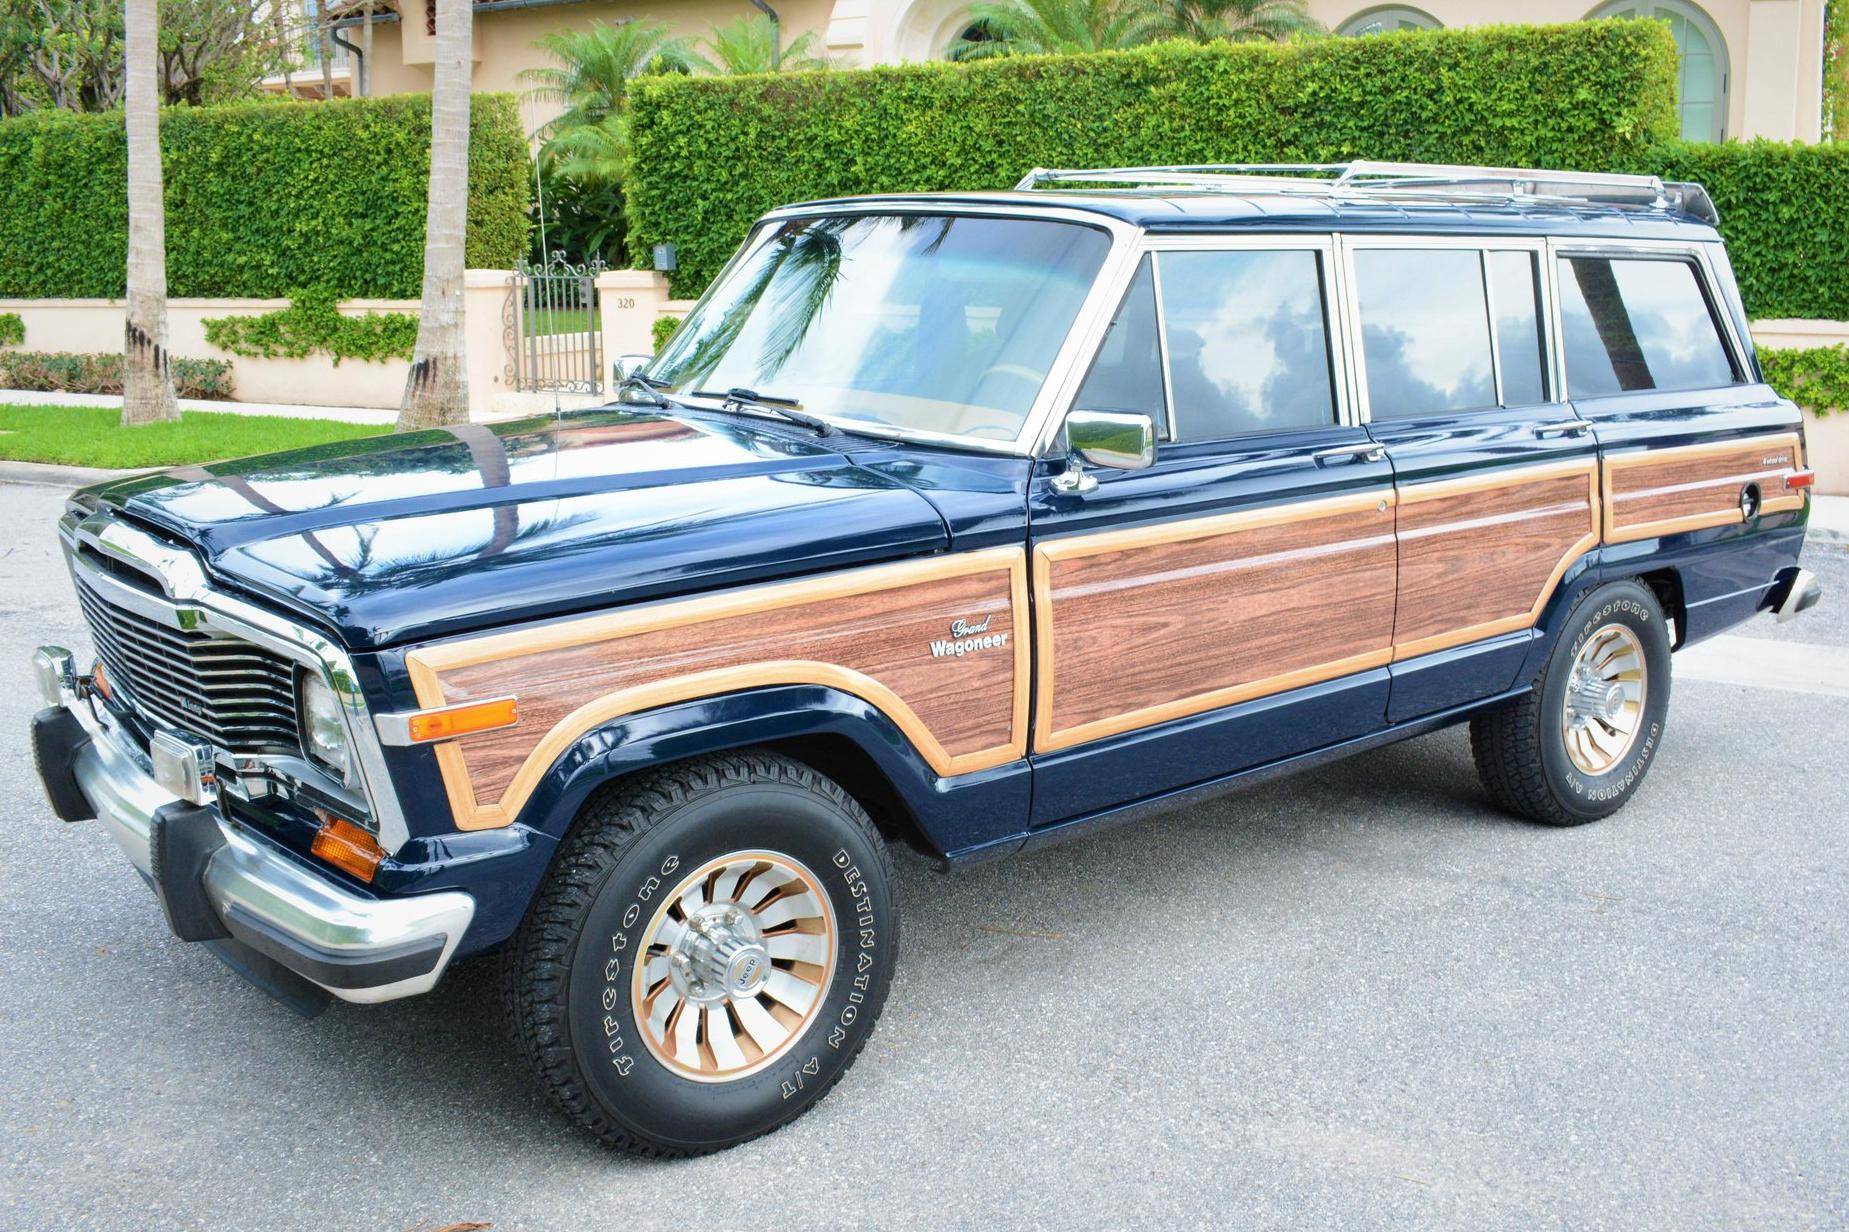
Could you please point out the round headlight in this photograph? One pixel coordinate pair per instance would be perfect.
(324, 734)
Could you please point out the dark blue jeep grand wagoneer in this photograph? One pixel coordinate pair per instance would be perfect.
(966, 521)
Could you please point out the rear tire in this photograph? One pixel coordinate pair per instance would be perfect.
(707, 956)
(1576, 746)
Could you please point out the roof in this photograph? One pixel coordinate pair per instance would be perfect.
(1210, 211)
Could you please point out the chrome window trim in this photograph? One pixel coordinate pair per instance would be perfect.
(1058, 387)
(1696, 253)
(1538, 246)
(1323, 243)
(192, 603)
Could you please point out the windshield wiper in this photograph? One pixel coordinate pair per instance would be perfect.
(648, 386)
(784, 408)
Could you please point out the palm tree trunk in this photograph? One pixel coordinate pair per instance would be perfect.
(279, 9)
(437, 389)
(324, 49)
(147, 391)
(363, 71)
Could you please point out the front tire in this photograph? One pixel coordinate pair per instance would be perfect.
(708, 955)
(1577, 746)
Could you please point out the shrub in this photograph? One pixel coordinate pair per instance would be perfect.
(1816, 378)
(711, 154)
(262, 198)
(1784, 210)
(12, 329)
(65, 372)
(312, 322)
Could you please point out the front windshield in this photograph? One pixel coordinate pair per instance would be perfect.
(919, 322)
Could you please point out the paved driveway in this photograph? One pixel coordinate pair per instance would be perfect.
(1355, 999)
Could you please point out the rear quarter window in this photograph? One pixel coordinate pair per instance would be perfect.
(1638, 324)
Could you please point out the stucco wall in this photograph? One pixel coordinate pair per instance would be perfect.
(95, 326)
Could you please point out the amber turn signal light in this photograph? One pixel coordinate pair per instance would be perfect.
(99, 683)
(347, 847)
(453, 721)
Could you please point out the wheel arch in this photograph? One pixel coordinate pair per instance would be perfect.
(834, 732)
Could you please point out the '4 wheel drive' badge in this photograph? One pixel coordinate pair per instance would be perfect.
(968, 636)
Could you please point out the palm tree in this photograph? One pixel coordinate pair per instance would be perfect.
(1239, 21)
(147, 389)
(753, 44)
(1016, 27)
(436, 391)
(587, 141)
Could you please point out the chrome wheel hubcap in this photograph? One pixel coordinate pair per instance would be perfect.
(735, 965)
(1604, 704)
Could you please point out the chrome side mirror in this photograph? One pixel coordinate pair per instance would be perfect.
(1120, 440)
(626, 366)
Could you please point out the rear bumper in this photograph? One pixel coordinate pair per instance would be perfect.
(218, 882)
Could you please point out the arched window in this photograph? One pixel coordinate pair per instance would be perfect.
(1704, 62)
(1386, 20)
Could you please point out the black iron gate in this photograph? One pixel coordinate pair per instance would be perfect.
(554, 327)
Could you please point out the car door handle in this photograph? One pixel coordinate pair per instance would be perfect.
(1573, 427)
(1367, 451)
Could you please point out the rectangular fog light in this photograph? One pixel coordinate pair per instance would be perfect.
(51, 666)
(182, 766)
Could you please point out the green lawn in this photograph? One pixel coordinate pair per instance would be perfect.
(92, 436)
(543, 321)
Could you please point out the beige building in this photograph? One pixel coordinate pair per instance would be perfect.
(1750, 68)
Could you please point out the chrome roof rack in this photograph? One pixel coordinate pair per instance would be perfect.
(1427, 182)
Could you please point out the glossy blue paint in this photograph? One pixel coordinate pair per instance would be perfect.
(1458, 675)
(1150, 762)
(392, 539)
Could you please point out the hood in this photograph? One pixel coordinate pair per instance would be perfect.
(400, 538)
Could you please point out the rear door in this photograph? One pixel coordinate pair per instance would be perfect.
(1233, 603)
(1497, 476)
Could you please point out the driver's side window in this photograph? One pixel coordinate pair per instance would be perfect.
(1126, 375)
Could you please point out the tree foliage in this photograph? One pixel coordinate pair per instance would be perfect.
(67, 54)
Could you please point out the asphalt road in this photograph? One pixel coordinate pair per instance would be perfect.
(1358, 999)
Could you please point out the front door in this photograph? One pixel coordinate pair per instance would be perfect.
(1233, 603)
(1497, 477)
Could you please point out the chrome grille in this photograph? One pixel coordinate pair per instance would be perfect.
(237, 695)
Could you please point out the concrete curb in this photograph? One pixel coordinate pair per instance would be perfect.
(57, 476)
(1829, 519)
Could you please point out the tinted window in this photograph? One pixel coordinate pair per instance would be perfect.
(1127, 374)
(1248, 350)
(1513, 288)
(1424, 331)
(1637, 324)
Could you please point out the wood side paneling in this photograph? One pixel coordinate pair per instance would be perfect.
(1667, 491)
(869, 632)
(1154, 623)
(1480, 555)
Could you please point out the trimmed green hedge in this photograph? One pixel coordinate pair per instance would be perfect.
(263, 199)
(1785, 215)
(711, 154)
(12, 329)
(313, 323)
(1816, 378)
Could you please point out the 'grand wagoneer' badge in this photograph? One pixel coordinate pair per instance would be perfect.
(967, 637)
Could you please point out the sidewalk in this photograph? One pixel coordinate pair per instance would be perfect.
(1829, 518)
(345, 414)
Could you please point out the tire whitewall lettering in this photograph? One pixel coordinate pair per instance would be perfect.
(746, 1050)
(1600, 700)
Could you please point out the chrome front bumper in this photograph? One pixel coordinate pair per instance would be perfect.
(357, 948)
